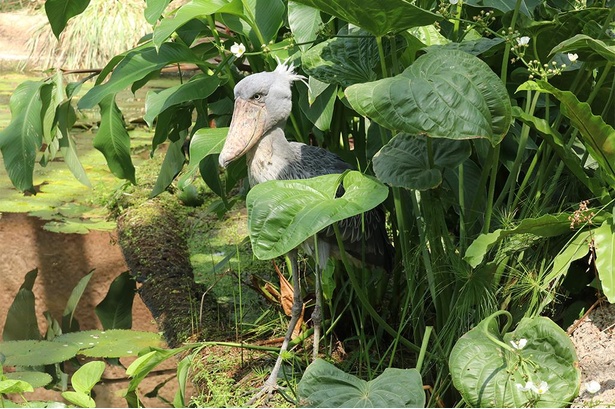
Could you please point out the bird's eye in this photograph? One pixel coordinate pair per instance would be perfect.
(257, 96)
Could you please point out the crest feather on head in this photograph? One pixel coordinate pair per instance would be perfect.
(288, 72)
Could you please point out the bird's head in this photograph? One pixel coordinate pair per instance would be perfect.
(262, 102)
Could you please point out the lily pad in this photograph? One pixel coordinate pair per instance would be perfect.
(111, 343)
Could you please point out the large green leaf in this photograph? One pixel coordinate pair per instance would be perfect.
(60, 11)
(22, 138)
(404, 160)
(199, 87)
(65, 118)
(113, 140)
(379, 18)
(575, 249)
(135, 66)
(191, 10)
(84, 379)
(604, 245)
(284, 213)
(37, 353)
(21, 322)
(204, 142)
(154, 10)
(172, 164)
(486, 368)
(587, 48)
(444, 94)
(305, 23)
(114, 343)
(597, 135)
(115, 310)
(324, 385)
(350, 58)
(544, 226)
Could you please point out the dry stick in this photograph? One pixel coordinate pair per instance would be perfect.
(576, 324)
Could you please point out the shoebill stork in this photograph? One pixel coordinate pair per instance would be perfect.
(262, 106)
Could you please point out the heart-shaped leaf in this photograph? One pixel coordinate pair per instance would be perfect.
(489, 371)
(404, 161)
(379, 18)
(347, 59)
(84, 379)
(444, 94)
(324, 385)
(284, 213)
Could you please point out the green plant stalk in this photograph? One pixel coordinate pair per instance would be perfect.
(419, 361)
(462, 208)
(214, 32)
(509, 186)
(457, 21)
(363, 297)
(496, 151)
(431, 279)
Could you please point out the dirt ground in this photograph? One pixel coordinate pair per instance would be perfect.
(62, 260)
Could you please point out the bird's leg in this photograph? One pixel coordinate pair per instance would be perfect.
(271, 384)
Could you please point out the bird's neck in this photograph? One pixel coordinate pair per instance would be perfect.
(267, 159)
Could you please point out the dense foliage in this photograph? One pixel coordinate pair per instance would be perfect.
(490, 123)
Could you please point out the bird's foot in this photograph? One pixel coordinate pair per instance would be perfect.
(265, 393)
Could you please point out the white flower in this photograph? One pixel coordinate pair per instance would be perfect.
(540, 389)
(592, 387)
(238, 50)
(529, 385)
(453, 2)
(573, 57)
(519, 344)
(522, 41)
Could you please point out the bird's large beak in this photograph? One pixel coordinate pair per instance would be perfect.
(247, 126)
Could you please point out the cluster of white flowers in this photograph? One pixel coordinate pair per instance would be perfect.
(519, 344)
(540, 389)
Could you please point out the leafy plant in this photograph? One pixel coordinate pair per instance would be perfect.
(490, 122)
(493, 369)
(323, 385)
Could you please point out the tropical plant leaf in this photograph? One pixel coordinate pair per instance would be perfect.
(205, 142)
(172, 164)
(379, 18)
(199, 87)
(86, 377)
(544, 226)
(68, 324)
(21, 322)
(404, 160)
(567, 156)
(486, 369)
(114, 343)
(351, 58)
(444, 94)
(79, 399)
(37, 353)
(22, 138)
(604, 245)
(597, 135)
(115, 310)
(154, 10)
(192, 10)
(34, 378)
(113, 140)
(324, 385)
(305, 23)
(575, 249)
(65, 118)
(14, 386)
(319, 111)
(284, 213)
(60, 11)
(587, 48)
(136, 65)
